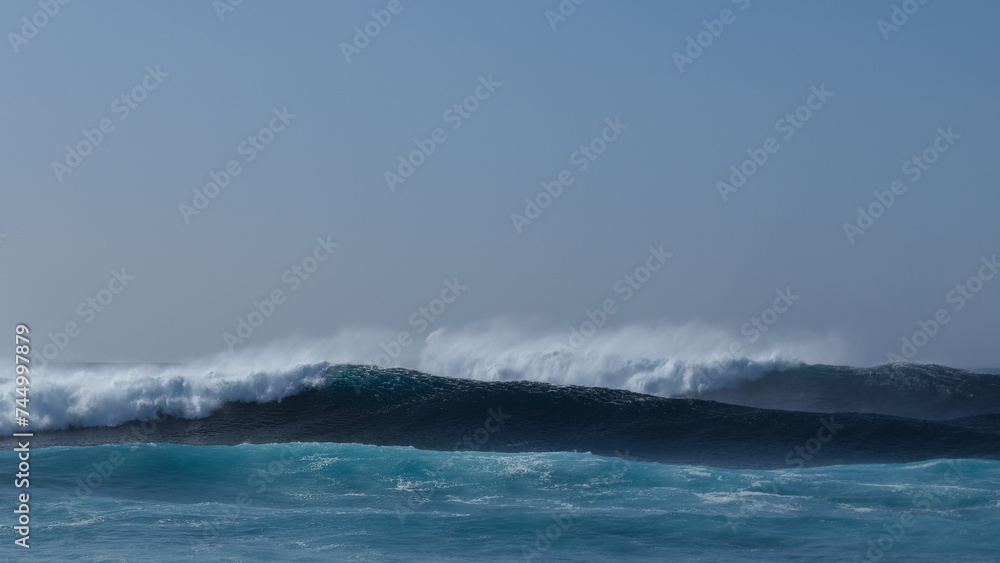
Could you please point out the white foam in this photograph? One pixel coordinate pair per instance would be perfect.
(653, 359)
(106, 395)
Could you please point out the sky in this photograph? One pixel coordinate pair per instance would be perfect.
(117, 115)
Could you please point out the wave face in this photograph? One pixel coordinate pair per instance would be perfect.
(396, 407)
(927, 392)
(340, 502)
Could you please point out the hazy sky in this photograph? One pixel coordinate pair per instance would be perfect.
(198, 90)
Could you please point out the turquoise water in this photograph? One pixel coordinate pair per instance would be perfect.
(349, 502)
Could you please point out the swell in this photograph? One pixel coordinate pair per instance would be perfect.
(396, 407)
(108, 395)
(923, 391)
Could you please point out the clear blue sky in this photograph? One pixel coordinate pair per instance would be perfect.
(323, 174)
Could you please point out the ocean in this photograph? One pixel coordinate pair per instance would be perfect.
(327, 462)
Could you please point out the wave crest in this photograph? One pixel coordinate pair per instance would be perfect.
(64, 396)
(661, 360)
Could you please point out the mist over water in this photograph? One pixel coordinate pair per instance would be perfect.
(658, 360)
